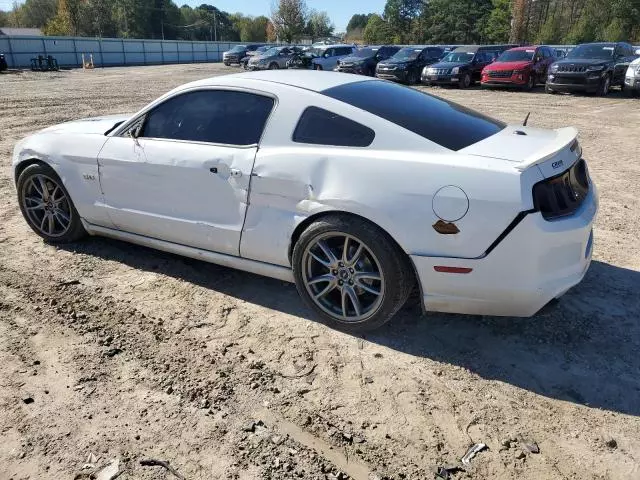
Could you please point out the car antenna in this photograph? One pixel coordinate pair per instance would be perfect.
(526, 119)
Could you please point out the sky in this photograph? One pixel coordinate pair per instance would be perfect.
(340, 11)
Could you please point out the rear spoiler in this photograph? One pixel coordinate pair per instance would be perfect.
(565, 137)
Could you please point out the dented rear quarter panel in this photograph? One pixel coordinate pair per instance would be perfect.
(391, 188)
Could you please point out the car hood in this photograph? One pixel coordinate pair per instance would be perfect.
(516, 65)
(395, 63)
(96, 125)
(583, 61)
(449, 64)
(355, 59)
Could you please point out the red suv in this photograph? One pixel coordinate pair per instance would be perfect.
(522, 67)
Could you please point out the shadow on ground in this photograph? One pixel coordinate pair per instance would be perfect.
(585, 350)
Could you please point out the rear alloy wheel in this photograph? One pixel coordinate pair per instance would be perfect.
(605, 85)
(465, 81)
(351, 273)
(274, 66)
(46, 205)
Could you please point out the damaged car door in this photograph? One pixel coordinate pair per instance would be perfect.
(180, 172)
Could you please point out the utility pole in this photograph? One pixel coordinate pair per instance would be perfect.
(215, 26)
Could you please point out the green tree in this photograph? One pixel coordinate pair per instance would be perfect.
(377, 31)
(400, 15)
(499, 22)
(359, 20)
(459, 21)
(289, 18)
(319, 25)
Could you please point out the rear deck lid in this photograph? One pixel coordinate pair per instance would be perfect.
(552, 150)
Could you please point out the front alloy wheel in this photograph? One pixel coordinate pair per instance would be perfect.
(351, 273)
(46, 205)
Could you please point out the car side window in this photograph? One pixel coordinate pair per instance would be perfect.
(321, 127)
(213, 116)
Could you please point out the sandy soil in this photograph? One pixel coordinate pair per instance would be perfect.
(130, 354)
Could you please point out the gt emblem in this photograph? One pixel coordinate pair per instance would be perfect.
(87, 176)
(557, 164)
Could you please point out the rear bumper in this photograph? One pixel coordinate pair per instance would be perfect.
(538, 261)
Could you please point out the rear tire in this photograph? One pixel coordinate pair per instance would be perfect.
(351, 273)
(412, 78)
(274, 66)
(317, 67)
(47, 206)
(548, 89)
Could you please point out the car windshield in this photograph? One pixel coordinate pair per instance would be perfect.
(365, 53)
(517, 56)
(407, 54)
(238, 48)
(459, 57)
(441, 121)
(592, 51)
(272, 51)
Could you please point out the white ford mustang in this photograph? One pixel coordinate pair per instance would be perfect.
(355, 189)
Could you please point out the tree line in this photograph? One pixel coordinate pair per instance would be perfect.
(158, 19)
(498, 21)
(401, 22)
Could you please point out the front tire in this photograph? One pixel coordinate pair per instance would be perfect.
(548, 89)
(47, 206)
(465, 82)
(351, 273)
(274, 66)
(531, 82)
(317, 67)
(605, 85)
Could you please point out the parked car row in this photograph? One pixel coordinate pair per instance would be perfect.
(592, 67)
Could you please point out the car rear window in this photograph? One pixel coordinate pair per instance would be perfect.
(321, 127)
(446, 123)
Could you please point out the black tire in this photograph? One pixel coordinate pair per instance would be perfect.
(74, 231)
(274, 66)
(531, 83)
(317, 67)
(227, 64)
(603, 88)
(395, 269)
(548, 89)
(412, 78)
(465, 81)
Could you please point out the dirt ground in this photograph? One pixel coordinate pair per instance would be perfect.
(114, 352)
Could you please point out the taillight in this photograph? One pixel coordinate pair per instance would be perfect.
(563, 194)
